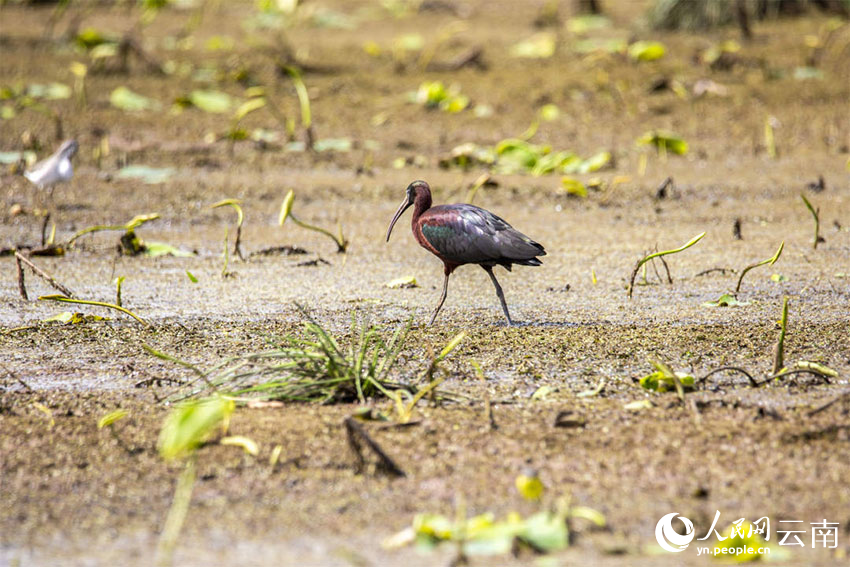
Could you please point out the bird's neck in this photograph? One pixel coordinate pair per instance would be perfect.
(421, 204)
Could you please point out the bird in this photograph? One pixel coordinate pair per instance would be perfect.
(462, 234)
(55, 169)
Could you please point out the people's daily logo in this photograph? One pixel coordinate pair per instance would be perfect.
(744, 539)
(670, 539)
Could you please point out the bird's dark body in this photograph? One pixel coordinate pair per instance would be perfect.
(466, 234)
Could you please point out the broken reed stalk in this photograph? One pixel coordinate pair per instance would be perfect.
(18, 379)
(357, 437)
(770, 261)
(96, 303)
(44, 229)
(815, 214)
(20, 258)
(646, 259)
(779, 349)
(666, 269)
(22, 287)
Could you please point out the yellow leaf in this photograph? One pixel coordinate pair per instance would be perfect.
(247, 444)
(111, 418)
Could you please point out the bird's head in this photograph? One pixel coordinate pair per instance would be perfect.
(413, 190)
(68, 149)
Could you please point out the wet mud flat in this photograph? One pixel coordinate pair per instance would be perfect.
(76, 494)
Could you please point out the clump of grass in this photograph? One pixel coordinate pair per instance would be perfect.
(313, 367)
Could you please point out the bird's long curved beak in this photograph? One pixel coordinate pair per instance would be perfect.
(404, 205)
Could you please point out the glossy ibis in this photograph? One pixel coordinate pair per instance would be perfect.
(465, 234)
(55, 169)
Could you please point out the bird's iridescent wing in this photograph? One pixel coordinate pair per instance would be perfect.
(469, 234)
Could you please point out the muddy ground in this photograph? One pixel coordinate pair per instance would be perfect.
(76, 495)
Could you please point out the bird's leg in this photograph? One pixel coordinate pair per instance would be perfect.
(442, 297)
(489, 270)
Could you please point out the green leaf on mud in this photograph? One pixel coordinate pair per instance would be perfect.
(545, 532)
(587, 22)
(73, 318)
(592, 45)
(659, 381)
(52, 91)
(333, 144)
(191, 276)
(434, 94)
(638, 405)
(104, 50)
(539, 46)
(816, 367)
(215, 102)
(154, 249)
(409, 42)
(248, 445)
(725, 300)
(665, 141)
(595, 162)
(150, 175)
(190, 424)
(574, 187)
(592, 393)
(807, 73)
(7, 158)
(248, 107)
(111, 418)
(646, 50)
(549, 112)
(90, 37)
(286, 207)
(456, 340)
(541, 393)
(125, 99)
